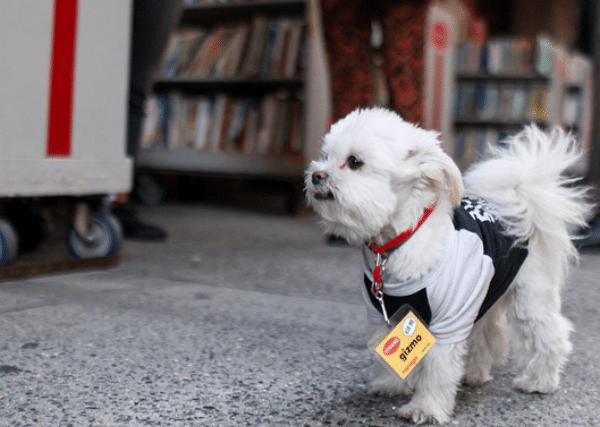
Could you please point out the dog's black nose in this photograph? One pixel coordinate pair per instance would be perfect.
(319, 177)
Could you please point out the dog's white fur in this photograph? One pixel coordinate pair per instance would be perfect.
(402, 171)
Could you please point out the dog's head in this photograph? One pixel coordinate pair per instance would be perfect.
(377, 170)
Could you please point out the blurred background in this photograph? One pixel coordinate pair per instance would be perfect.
(160, 145)
(113, 106)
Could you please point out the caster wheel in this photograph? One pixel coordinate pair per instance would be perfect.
(8, 243)
(102, 240)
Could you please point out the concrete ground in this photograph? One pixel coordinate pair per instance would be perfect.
(239, 318)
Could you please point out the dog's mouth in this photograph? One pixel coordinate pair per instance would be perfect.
(323, 195)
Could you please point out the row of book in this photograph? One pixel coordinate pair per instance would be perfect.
(521, 56)
(260, 48)
(200, 2)
(501, 102)
(271, 125)
(506, 56)
(472, 144)
(573, 107)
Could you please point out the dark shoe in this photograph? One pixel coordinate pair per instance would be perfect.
(334, 240)
(134, 229)
(591, 237)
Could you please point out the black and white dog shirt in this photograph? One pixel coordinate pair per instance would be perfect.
(479, 264)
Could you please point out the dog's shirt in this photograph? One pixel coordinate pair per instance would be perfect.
(479, 264)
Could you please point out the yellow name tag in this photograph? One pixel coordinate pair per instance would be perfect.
(406, 345)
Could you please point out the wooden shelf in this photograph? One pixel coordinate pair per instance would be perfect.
(503, 78)
(217, 14)
(187, 160)
(210, 16)
(498, 123)
(239, 86)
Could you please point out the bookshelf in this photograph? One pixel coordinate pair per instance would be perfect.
(236, 108)
(484, 89)
(207, 14)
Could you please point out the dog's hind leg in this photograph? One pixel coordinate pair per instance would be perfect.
(488, 344)
(541, 343)
(436, 380)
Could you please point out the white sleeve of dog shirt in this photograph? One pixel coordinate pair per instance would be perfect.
(456, 300)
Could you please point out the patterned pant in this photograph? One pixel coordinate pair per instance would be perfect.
(347, 34)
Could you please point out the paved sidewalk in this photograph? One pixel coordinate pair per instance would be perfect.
(238, 319)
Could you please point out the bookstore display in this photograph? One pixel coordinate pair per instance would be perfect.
(228, 96)
(496, 85)
(506, 84)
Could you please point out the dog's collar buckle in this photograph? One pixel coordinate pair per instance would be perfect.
(380, 261)
(377, 286)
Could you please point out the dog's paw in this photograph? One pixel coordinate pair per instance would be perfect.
(527, 384)
(421, 415)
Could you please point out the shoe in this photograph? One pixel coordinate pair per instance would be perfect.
(591, 237)
(334, 240)
(134, 229)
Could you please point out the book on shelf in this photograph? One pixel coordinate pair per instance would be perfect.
(176, 120)
(502, 56)
(272, 46)
(287, 63)
(227, 63)
(469, 58)
(188, 123)
(544, 63)
(296, 135)
(235, 134)
(266, 124)
(210, 53)
(202, 124)
(218, 114)
(501, 102)
(154, 129)
(251, 61)
(579, 67)
(474, 143)
(181, 50)
(572, 106)
(248, 137)
(261, 48)
(270, 125)
(538, 104)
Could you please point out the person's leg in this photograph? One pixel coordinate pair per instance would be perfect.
(347, 26)
(153, 22)
(403, 27)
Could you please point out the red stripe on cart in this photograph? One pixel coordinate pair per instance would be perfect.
(62, 79)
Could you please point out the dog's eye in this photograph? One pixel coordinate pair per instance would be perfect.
(354, 162)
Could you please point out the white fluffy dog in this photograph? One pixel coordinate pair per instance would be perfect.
(380, 176)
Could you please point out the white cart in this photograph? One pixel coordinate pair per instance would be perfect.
(63, 109)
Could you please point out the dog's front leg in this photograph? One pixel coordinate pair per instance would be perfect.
(436, 381)
(387, 383)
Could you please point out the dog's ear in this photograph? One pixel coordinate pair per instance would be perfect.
(441, 172)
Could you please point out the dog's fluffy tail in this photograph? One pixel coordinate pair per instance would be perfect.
(526, 180)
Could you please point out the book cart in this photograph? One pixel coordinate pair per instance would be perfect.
(63, 92)
(482, 90)
(230, 95)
